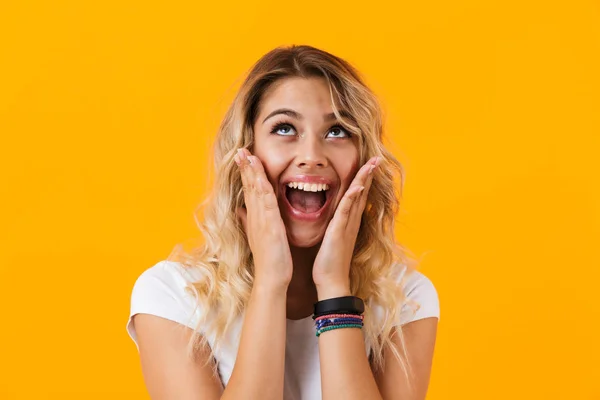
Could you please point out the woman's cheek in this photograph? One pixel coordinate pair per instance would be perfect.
(274, 163)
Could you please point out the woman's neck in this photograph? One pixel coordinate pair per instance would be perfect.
(302, 293)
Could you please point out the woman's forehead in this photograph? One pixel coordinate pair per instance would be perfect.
(297, 91)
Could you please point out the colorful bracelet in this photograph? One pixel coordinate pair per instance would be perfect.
(329, 328)
(338, 321)
(329, 316)
(332, 321)
(338, 312)
(334, 324)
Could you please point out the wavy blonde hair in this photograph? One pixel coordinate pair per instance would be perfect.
(225, 259)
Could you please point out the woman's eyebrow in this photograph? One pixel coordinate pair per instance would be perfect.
(297, 115)
(285, 111)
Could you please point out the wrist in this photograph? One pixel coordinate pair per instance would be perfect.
(270, 287)
(325, 292)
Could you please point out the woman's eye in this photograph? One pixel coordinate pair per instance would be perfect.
(283, 129)
(338, 131)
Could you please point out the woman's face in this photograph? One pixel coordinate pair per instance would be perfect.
(301, 143)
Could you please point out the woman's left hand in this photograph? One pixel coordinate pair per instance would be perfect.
(331, 270)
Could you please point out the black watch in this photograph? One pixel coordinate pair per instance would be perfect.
(339, 305)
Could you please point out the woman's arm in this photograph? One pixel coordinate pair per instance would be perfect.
(259, 368)
(345, 369)
(419, 337)
(167, 370)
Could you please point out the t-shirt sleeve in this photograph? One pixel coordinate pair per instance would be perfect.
(422, 298)
(160, 290)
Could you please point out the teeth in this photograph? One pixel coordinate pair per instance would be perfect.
(309, 187)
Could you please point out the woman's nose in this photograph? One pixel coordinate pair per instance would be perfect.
(310, 152)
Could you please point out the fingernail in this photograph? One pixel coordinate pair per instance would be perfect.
(236, 158)
(250, 160)
(371, 169)
(361, 189)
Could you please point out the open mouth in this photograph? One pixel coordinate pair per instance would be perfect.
(307, 198)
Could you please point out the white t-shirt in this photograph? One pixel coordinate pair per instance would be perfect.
(160, 291)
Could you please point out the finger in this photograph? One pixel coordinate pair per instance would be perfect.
(365, 172)
(365, 193)
(342, 214)
(258, 171)
(264, 189)
(246, 173)
(354, 201)
(249, 210)
(240, 160)
(363, 175)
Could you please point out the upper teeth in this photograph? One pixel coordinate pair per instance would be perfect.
(309, 187)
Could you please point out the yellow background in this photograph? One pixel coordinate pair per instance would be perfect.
(107, 110)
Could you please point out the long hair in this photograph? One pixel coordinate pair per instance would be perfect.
(225, 259)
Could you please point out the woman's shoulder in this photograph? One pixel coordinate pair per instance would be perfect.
(170, 272)
(167, 279)
(162, 290)
(421, 296)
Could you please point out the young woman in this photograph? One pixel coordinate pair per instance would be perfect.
(298, 250)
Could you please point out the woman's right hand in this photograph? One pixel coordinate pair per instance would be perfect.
(263, 225)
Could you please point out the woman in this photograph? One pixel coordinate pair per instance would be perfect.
(299, 248)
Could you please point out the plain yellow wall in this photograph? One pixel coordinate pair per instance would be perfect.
(107, 110)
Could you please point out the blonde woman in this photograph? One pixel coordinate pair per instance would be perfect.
(301, 219)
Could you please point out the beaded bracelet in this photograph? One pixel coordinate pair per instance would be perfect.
(320, 328)
(338, 321)
(329, 316)
(329, 322)
(329, 328)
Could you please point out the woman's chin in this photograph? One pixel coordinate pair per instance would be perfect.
(304, 237)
